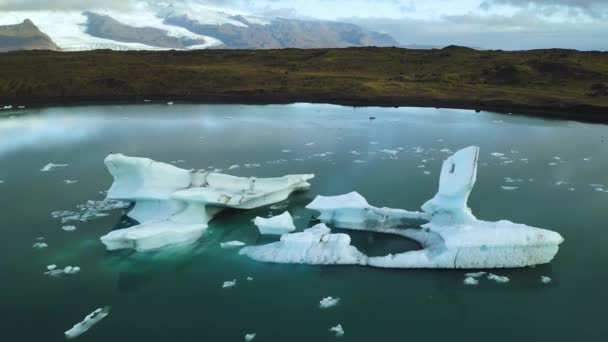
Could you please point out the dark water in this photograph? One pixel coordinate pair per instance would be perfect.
(176, 295)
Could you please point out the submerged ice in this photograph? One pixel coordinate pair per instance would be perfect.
(452, 236)
(173, 206)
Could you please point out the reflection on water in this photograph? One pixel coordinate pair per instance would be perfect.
(557, 167)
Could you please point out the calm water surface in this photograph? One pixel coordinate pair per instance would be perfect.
(177, 295)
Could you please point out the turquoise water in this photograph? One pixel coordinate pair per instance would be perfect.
(177, 295)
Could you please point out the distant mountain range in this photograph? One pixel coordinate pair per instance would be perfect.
(175, 27)
(24, 36)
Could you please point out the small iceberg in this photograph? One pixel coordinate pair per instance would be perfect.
(232, 244)
(88, 322)
(545, 279)
(471, 281)
(50, 166)
(40, 245)
(314, 246)
(498, 279)
(249, 337)
(229, 284)
(328, 302)
(338, 330)
(276, 225)
(68, 228)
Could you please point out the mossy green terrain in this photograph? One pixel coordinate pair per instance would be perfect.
(561, 83)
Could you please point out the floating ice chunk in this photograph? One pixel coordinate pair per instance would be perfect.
(50, 166)
(509, 188)
(354, 152)
(232, 167)
(390, 152)
(470, 281)
(249, 278)
(232, 244)
(39, 245)
(338, 330)
(545, 279)
(309, 143)
(373, 143)
(587, 159)
(249, 337)
(174, 205)
(69, 181)
(276, 225)
(71, 269)
(552, 164)
(359, 161)
(51, 267)
(69, 228)
(87, 323)
(286, 151)
(497, 278)
(314, 246)
(249, 166)
(445, 150)
(328, 302)
(229, 284)
(497, 154)
(170, 103)
(475, 274)
(427, 172)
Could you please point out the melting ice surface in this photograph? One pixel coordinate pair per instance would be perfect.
(173, 205)
(452, 238)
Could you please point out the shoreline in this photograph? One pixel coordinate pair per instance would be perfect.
(581, 113)
(562, 84)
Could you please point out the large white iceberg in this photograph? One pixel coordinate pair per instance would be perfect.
(314, 245)
(451, 238)
(174, 206)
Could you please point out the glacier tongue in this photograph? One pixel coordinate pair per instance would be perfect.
(174, 206)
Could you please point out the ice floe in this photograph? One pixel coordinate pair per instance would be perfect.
(229, 284)
(89, 210)
(70, 181)
(50, 166)
(498, 279)
(69, 228)
(88, 322)
(40, 245)
(54, 271)
(470, 281)
(249, 337)
(232, 244)
(315, 246)
(545, 279)
(338, 330)
(173, 206)
(328, 302)
(276, 225)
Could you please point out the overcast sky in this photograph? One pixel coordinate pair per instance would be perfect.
(495, 24)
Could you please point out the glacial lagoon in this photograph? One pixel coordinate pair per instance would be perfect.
(544, 173)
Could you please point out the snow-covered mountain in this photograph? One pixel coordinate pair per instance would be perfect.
(189, 26)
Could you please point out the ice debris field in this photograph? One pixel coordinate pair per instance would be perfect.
(173, 206)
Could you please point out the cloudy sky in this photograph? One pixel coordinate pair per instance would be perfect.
(493, 24)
